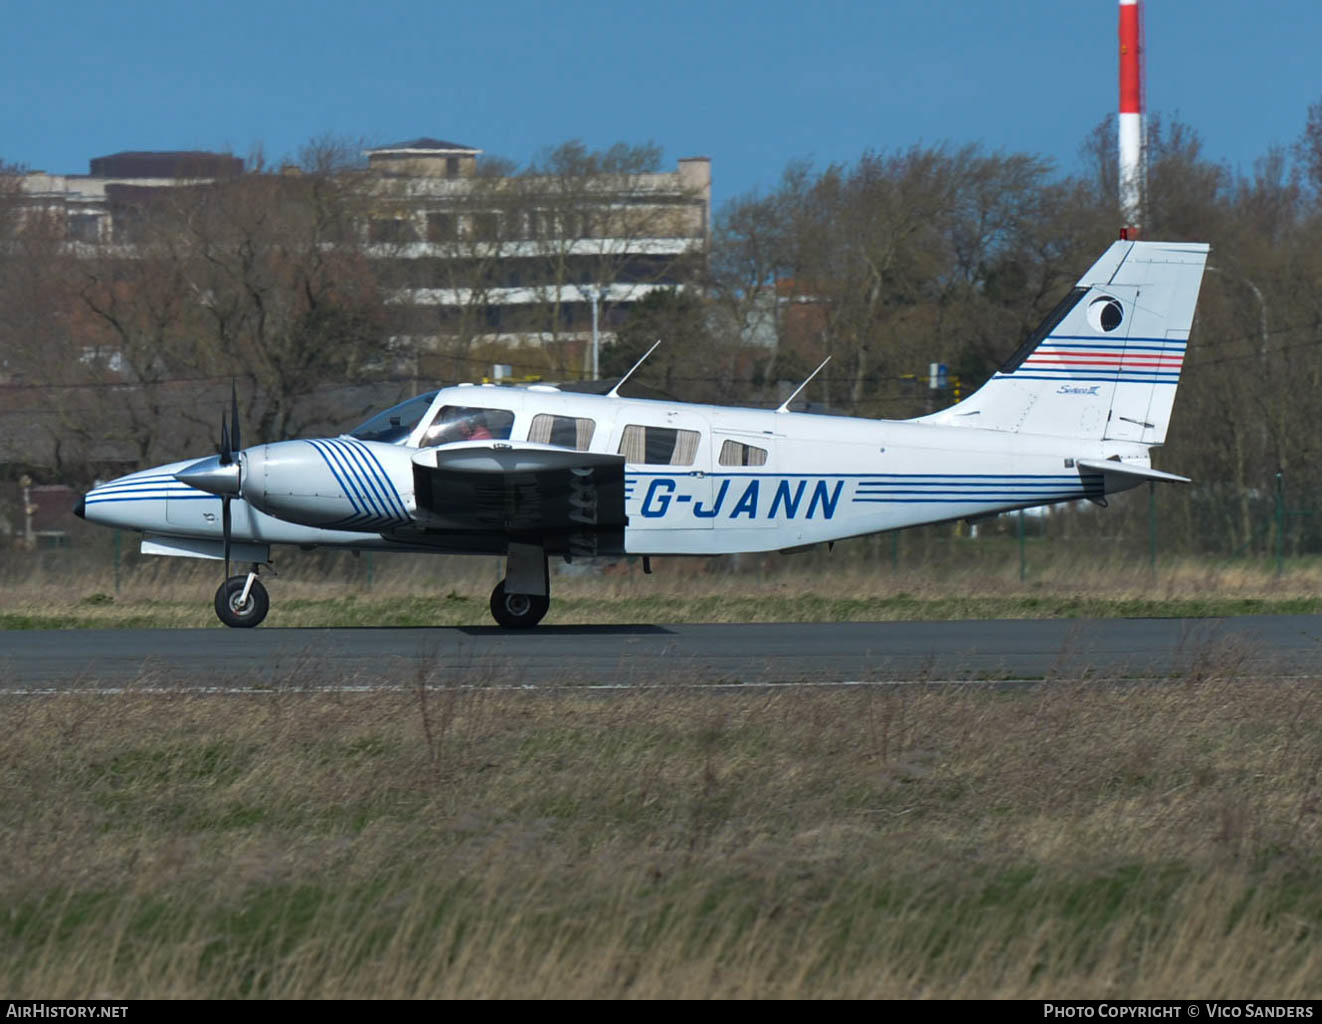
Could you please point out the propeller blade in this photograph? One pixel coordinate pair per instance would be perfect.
(225, 523)
(225, 455)
(234, 416)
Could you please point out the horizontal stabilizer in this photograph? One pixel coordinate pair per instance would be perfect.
(1129, 475)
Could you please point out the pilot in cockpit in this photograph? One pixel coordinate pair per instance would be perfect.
(465, 423)
(474, 428)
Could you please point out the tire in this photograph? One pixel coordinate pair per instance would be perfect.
(248, 615)
(517, 611)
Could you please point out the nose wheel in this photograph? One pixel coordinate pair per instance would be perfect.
(242, 601)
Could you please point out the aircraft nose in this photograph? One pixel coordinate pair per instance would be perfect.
(80, 510)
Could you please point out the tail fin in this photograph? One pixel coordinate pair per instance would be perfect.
(1105, 363)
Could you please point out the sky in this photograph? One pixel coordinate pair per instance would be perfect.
(752, 85)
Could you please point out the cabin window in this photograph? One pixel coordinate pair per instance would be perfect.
(659, 446)
(735, 454)
(561, 431)
(467, 423)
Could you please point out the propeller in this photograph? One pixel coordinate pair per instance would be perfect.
(222, 473)
(227, 457)
(229, 446)
(234, 416)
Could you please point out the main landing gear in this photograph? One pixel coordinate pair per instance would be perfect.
(517, 611)
(242, 601)
(522, 598)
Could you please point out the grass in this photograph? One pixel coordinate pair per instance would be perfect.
(1081, 838)
(70, 590)
(1077, 839)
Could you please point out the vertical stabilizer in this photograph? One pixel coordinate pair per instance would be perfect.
(1105, 362)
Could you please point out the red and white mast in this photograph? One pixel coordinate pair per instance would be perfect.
(1131, 119)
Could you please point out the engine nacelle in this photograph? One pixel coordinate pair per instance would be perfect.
(339, 483)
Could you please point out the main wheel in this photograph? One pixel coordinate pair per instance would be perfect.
(246, 614)
(517, 611)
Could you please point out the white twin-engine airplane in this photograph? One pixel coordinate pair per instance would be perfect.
(532, 472)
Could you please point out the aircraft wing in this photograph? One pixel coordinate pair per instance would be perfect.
(569, 501)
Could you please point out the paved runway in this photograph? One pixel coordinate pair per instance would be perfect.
(629, 655)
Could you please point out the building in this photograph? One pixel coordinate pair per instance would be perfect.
(104, 205)
(554, 261)
(475, 262)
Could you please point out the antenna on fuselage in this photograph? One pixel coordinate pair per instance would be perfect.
(785, 405)
(615, 391)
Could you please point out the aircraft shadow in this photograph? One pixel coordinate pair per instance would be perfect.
(638, 629)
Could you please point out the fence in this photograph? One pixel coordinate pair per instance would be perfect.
(1142, 529)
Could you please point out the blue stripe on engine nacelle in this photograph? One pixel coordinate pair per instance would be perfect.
(371, 483)
(364, 482)
(393, 494)
(344, 488)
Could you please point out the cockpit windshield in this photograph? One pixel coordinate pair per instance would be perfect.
(396, 423)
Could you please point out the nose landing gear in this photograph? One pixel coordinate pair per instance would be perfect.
(242, 601)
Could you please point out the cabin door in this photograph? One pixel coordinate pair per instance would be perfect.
(667, 471)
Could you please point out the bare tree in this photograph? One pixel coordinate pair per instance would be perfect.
(596, 219)
(134, 339)
(693, 363)
(749, 256)
(1308, 147)
(893, 256)
(288, 298)
(454, 264)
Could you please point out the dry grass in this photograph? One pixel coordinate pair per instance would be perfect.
(72, 589)
(1081, 838)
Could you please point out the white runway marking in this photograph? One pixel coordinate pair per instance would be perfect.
(840, 684)
(115, 691)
